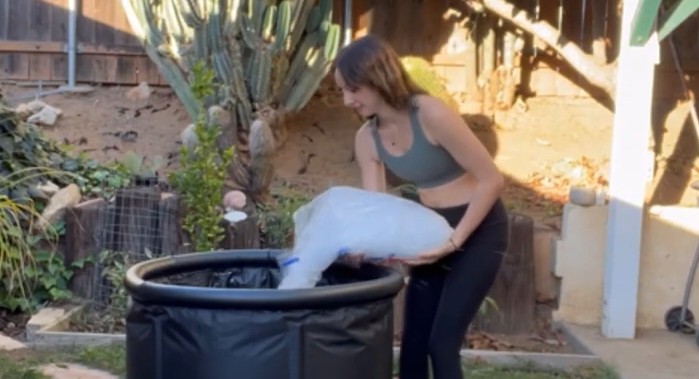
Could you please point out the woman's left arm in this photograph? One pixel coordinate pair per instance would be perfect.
(448, 129)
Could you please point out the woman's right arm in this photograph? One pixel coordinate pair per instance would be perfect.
(372, 170)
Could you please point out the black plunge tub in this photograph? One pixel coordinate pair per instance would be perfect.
(235, 324)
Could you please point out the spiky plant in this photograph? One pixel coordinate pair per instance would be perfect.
(268, 57)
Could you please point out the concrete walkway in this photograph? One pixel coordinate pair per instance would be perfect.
(654, 354)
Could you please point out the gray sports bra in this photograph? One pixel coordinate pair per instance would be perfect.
(424, 164)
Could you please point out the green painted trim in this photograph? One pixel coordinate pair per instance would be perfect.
(676, 16)
(646, 15)
(644, 21)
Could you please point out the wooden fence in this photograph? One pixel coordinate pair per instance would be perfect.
(34, 43)
(33, 40)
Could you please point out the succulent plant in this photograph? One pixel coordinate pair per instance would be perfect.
(266, 55)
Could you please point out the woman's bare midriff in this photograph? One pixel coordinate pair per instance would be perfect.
(456, 192)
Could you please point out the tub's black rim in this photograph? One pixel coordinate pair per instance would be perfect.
(143, 290)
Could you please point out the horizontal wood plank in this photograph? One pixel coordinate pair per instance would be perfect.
(62, 47)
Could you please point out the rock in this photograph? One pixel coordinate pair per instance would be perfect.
(140, 92)
(7, 343)
(43, 318)
(234, 200)
(64, 198)
(49, 188)
(188, 137)
(46, 116)
(235, 216)
(582, 196)
(30, 107)
(73, 371)
(38, 112)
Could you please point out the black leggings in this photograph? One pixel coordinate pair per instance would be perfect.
(442, 298)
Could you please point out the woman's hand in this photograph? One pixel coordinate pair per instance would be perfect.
(431, 256)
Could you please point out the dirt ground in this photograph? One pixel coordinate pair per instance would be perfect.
(543, 150)
(536, 148)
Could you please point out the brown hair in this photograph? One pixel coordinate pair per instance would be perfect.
(372, 62)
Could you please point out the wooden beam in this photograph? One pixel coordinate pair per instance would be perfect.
(670, 20)
(60, 47)
(631, 171)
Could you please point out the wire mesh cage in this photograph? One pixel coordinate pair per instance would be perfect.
(138, 224)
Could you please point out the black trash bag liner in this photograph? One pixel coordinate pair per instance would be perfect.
(245, 277)
(269, 276)
(244, 328)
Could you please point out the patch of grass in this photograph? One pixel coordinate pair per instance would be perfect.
(532, 371)
(111, 358)
(478, 369)
(10, 369)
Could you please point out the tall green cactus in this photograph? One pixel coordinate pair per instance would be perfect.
(266, 54)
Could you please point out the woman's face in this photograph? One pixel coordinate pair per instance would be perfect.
(362, 99)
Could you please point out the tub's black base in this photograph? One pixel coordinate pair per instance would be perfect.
(249, 330)
(180, 343)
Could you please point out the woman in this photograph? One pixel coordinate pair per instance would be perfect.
(425, 142)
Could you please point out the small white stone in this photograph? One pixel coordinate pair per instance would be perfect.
(235, 216)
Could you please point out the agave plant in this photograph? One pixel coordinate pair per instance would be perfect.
(268, 57)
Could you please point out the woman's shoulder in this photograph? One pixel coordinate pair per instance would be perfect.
(430, 104)
(364, 133)
(433, 109)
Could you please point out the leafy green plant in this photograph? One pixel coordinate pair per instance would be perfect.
(140, 166)
(108, 313)
(276, 218)
(31, 274)
(15, 254)
(31, 270)
(202, 172)
(422, 73)
(28, 159)
(114, 269)
(95, 179)
(52, 276)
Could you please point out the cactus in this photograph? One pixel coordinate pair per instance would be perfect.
(265, 54)
(420, 71)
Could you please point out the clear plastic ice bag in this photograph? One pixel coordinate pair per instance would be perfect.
(346, 219)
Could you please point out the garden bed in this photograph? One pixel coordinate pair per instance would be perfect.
(13, 324)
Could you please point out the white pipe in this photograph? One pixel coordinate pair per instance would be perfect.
(72, 27)
(348, 22)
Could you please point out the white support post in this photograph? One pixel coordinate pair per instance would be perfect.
(631, 167)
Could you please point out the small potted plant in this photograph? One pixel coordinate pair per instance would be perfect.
(144, 172)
